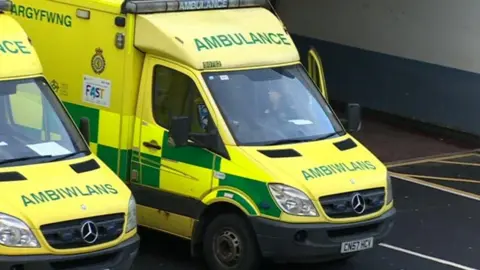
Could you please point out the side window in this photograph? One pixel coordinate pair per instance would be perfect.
(175, 94)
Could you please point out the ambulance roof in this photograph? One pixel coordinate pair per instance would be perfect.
(159, 6)
(224, 38)
(17, 56)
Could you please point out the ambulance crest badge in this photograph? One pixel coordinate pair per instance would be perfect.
(98, 61)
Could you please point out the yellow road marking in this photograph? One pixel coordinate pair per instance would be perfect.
(443, 178)
(436, 186)
(425, 160)
(457, 162)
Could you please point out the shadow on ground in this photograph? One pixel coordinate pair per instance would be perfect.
(390, 143)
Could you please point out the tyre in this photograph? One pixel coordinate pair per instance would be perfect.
(229, 243)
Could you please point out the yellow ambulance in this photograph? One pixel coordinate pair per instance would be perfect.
(61, 206)
(204, 109)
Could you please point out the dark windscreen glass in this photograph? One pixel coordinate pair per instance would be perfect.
(33, 124)
(262, 106)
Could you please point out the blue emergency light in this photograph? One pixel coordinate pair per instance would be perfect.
(159, 6)
(5, 5)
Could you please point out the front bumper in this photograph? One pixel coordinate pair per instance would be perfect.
(277, 240)
(120, 257)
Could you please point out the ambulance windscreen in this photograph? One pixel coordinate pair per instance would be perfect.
(34, 127)
(272, 105)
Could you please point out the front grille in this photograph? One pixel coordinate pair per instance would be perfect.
(340, 205)
(67, 235)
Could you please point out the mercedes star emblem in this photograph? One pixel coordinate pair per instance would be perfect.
(358, 203)
(83, 206)
(352, 181)
(89, 232)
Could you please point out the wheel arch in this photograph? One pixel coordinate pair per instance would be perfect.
(220, 202)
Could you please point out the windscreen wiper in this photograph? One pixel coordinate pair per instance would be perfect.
(63, 157)
(286, 141)
(13, 160)
(326, 136)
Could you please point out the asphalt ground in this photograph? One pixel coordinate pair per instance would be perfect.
(436, 198)
(436, 227)
(457, 173)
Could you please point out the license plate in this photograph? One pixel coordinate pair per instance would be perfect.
(357, 245)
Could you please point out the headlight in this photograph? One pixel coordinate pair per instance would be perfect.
(15, 233)
(132, 214)
(292, 201)
(389, 189)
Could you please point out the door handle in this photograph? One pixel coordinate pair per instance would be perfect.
(152, 144)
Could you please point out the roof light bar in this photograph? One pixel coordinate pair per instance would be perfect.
(160, 6)
(6, 5)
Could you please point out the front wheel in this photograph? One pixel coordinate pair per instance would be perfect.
(229, 243)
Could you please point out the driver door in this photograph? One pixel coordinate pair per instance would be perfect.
(315, 70)
(171, 179)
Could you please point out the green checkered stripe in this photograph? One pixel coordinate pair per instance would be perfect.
(109, 155)
(123, 161)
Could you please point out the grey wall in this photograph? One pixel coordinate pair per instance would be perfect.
(414, 58)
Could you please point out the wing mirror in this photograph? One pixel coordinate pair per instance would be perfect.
(353, 122)
(180, 133)
(85, 128)
(179, 130)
